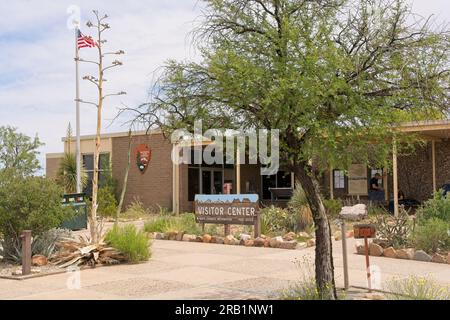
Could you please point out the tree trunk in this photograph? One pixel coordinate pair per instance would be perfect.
(324, 251)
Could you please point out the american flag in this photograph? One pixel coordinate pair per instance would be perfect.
(85, 41)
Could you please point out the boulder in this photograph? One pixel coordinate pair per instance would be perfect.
(198, 239)
(390, 252)
(249, 243)
(172, 235)
(231, 240)
(289, 236)
(206, 238)
(350, 234)
(189, 237)
(290, 245)
(267, 242)
(302, 245)
(159, 236)
(219, 240)
(438, 258)
(407, 254)
(276, 242)
(213, 239)
(354, 213)
(360, 249)
(259, 242)
(304, 234)
(337, 235)
(244, 236)
(375, 250)
(311, 243)
(263, 236)
(421, 255)
(39, 260)
(180, 236)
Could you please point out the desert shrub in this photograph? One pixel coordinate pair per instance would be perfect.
(135, 209)
(183, 223)
(29, 203)
(305, 288)
(107, 203)
(274, 220)
(131, 242)
(432, 236)
(333, 206)
(394, 231)
(300, 216)
(416, 288)
(438, 207)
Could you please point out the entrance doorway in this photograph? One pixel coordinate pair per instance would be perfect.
(211, 181)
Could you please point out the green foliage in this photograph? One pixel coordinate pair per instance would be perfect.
(333, 206)
(300, 214)
(107, 202)
(183, 223)
(135, 210)
(438, 207)
(30, 203)
(66, 175)
(131, 242)
(432, 236)
(275, 220)
(416, 288)
(18, 152)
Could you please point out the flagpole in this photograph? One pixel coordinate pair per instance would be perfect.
(77, 101)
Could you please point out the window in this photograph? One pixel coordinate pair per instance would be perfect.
(339, 179)
(104, 170)
(193, 183)
(281, 180)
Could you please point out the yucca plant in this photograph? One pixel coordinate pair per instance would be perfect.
(67, 174)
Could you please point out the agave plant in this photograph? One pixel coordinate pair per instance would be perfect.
(67, 174)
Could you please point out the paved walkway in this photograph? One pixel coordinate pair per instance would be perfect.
(182, 270)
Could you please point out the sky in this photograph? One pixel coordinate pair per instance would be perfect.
(37, 70)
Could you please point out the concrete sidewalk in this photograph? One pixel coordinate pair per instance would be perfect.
(184, 270)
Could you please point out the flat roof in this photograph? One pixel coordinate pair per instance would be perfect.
(115, 135)
(432, 129)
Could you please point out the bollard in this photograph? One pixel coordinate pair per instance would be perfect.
(26, 252)
(344, 254)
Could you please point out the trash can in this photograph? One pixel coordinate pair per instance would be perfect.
(78, 202)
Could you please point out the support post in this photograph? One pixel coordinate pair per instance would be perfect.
(369, 281)
(433, 157)
(385, 184)
(331, 184)
(238, 172)
(344, 254)
(395, 176)
(77, 105)
(26, 252)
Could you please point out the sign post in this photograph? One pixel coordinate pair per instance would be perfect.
(228, 209)
(365, 231)
(26, 252)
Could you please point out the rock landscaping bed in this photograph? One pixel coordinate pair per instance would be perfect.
(377, 250)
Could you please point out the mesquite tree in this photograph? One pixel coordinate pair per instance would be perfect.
(332, 75)
(100, 26)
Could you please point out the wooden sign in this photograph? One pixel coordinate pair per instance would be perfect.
(362, 231)
(240, 209)
(143, 155)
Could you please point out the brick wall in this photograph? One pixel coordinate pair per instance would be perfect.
(154, 187)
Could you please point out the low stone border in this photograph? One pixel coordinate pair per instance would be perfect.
(407, 254)
(286, 242)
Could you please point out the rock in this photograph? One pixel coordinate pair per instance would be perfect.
(180, 236)
(267, 242)
(39, 260)
(350, 234)
(245, 237)
(159, 236)
(263, 237)
(390, 253)
(354, 213)
(35, 270)
(259, 242)
(198, 239)
(375, 250)
(276, 242)
(171, 235)
(311, 243)
(302, 245)
(206, 238)
(249, 243)
(421, 255)
(189, 237)
(290, 245)
(213, 239)
(17, 272)
(407, 254)
(374, 296)
(289, 236)
(338, 235)
(383, 243)
(219, 240)
(438, 258)
(360, 249)
(304, 235)
(231, 240)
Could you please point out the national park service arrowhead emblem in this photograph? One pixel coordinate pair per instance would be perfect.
(143, 156)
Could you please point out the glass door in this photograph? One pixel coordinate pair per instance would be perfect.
(206, 182)
(212, 181)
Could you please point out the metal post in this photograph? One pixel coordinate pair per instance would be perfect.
(77, 101)
(26, 252)
(369, 281)
(344, 254)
